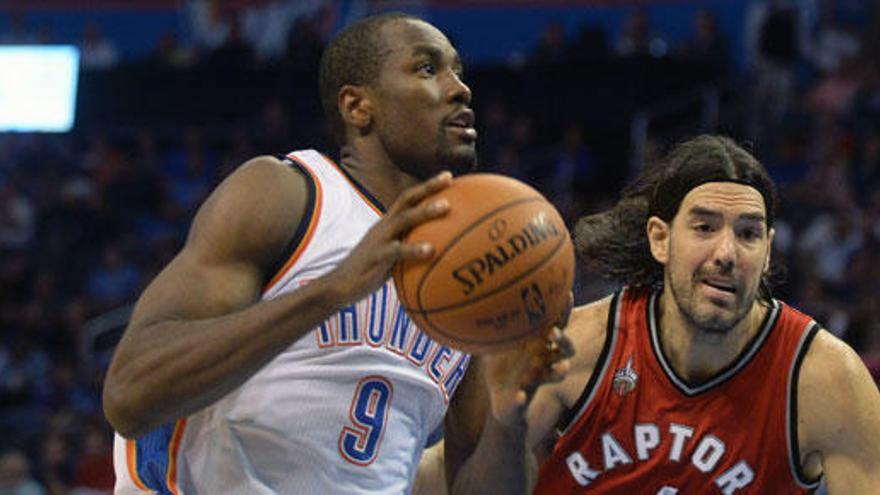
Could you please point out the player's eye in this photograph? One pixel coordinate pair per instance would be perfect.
(427, 69)
(750, 234)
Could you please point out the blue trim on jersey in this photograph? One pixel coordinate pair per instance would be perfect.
(152, 458)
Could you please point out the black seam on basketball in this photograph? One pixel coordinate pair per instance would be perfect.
(508, 338)
(452, 242)
(523, 275)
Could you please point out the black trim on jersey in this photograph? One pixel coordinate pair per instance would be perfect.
(601, 365)
(794, 448)
(304, 222)
(360, 187)
(741, 361)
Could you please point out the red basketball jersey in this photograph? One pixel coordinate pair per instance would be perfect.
(638, 429)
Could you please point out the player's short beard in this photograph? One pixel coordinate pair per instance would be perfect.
(458, 159)
(715, 324)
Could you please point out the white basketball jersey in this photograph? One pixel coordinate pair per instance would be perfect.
(346, 409)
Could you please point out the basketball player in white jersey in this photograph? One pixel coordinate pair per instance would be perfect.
(272, 355)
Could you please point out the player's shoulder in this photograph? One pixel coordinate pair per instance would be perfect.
(254, 210)
(838, 406)
(263, 183)
(266, 172)
(829, 361)
(587, 328)
(831, 379)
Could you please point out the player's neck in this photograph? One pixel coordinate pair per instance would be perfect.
(697, 355)
(376, 172)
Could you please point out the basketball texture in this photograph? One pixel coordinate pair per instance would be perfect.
(502, 269)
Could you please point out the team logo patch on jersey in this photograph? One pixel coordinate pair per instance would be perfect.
(625, 379)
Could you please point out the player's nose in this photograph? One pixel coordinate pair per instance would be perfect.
(459, 92)
(725, 249)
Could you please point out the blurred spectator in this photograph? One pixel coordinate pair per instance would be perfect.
(189, 171)
(93, 473)
(276, 135)
(15, 476)
(233, 54)
(169, 53)
(89, 216)
(55, 469)
(17, 217)
(570, 173)
(24, 380)
(306, 40)
(831, 240)
(17, 32)
(96, 50)
(115, 280)
(209, 23)
(590, 45)
(638, 40)
(268, 26)
(834, 45)
(707, 45)
(775, 40)
(551, 47)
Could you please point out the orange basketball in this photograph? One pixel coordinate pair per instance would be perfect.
(502, 269)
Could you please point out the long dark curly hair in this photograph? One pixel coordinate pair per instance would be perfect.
(614, 243)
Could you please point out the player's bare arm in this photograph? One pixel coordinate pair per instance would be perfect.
(839, 418)
(485, 444)
(196, 332)
(587, 331)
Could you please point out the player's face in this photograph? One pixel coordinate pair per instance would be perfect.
(719, 247)
(423, 118)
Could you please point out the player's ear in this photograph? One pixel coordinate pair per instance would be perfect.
(658, 238)
(355, 106)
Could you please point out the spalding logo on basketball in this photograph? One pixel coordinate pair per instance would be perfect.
(502, 270)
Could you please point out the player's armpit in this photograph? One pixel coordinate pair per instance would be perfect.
(839, 417)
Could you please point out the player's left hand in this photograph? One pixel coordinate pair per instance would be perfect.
(512, 376)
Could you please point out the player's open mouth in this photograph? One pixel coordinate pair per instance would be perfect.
(462, 124)
(720, 285)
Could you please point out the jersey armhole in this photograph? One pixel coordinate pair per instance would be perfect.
(303, 233)
(571, 416)
(794, 457)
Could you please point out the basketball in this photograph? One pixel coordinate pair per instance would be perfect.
(502, 269)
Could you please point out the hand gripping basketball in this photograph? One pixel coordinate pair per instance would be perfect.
(502, 269)
(369, 264)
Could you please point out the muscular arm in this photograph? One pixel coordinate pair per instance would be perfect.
(587, 329)
(197, 331)
(485, 455)
(482, 454)
(839, 418)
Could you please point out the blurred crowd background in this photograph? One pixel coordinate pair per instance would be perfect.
(571, 96)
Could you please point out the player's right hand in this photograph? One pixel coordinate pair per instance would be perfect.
(369, 264)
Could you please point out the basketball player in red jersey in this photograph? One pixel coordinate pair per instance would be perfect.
(693, 379)
(272, 355)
